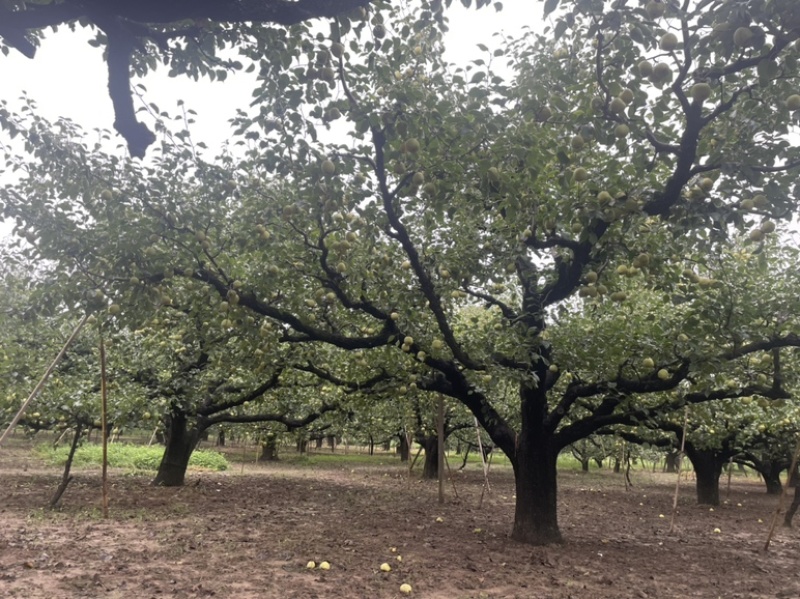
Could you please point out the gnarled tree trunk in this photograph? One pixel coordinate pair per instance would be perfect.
(181, 441)
(430, 470)
(535, 512)
(708, 468)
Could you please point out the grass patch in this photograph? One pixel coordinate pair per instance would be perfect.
(129, 457)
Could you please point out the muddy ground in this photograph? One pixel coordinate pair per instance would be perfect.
(250, 534)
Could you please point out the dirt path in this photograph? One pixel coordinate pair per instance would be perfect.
(250, 536)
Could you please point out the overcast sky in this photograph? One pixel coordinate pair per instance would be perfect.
(68, 77)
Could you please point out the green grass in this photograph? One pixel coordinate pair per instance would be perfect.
(129, 457)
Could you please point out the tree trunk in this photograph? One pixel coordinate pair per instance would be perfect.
(269, 449)
(430, 470)
(599, 462)
(772, 478)
(672, 462)
(181, 441)
(708, 468)
(535, 514)
(787, 519)
(221, 437)
(332, 443)
(584, 465)
(402, 448)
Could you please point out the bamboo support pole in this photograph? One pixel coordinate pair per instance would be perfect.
(104, 423)
(680, 467)
(43, 380)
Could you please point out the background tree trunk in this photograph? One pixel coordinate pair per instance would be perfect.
(269, 449)
(430, 470)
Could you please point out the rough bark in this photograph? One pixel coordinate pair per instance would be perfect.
(402, 448)
(672, 462)
(181, 440)
(707, 465)
(535, 513)
(772, 478)
(430, 470)
(787, 519)
(269, 449)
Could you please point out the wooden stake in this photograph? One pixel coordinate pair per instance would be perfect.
(680, 467)
(244, 452)
(486, 483)
(440, 443)
(730, 474)
(104, 423)
(66, 478)
(450, 476)
(43, 380)
(779, 508)
(483, 456)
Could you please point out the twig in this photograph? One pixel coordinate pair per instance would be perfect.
(680, 465)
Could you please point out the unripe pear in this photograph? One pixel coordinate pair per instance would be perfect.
(617, 105)
(412, 146)
(337, 49)
(742, 36)
(580, 174)
(700, 92)
(328, 168)
(622, 130)
(655, 10)
(793, 102)
(626, 95)
(645, 68)
(662, 71)
(669, 41)
(663, 374)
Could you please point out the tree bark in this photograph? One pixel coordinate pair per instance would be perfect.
(430, 470)
(269, 449)
(402, 448)
(708, 468)
(787, 519)
(535, 514)
(181, 441)
(672, 462)
(772, 478)
(534, 462)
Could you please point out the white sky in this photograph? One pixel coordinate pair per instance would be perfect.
(67, 78)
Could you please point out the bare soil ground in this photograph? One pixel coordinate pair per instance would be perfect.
(250, 535)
